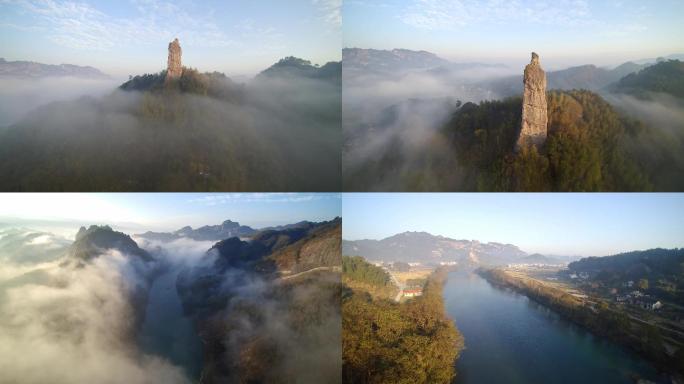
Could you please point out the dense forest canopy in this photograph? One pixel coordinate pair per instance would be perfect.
(356, 268)
(388, 342)
(590, 147)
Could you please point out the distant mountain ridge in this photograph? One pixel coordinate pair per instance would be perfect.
(396, 59)
(359, 61)
(537, 258)
(586, 76)
(663, 77)
(36, 70)
(427, 248)
(222, 231)
(295, 67)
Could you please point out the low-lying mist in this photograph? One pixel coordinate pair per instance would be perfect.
(20, 96)
(273, 134)
(119, 318)
(659, 145)
(395, 119)
(66, 324)
(393, 138)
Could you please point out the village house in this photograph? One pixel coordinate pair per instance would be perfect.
(412, 292)
(638, 299)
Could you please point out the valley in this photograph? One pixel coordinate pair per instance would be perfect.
(618, 317)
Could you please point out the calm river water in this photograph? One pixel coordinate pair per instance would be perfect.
(166, 332)
(511, 339)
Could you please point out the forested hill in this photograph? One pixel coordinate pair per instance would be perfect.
(388, 342)
(358, 274)
(656, 271)
(296, 67)
(590, 147)
(585, 149)
(663, 77)
(287, 277)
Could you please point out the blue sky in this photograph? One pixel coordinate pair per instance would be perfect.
(131, 36)
(564, 32)
(132, 212)
(554, 223)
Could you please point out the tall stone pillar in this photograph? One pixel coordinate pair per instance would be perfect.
(534, 114)
(174, 68)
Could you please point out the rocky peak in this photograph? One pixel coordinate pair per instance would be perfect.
(534, 115)
(229, 224)
(174, 68)
(91, 242)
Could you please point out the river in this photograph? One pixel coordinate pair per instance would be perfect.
(166, 332)
(511, 339)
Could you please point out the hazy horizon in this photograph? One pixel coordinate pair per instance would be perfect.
(131, 37)
(575, 224)
(565, 33)
(134, 213)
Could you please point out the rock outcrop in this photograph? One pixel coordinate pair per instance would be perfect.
(174, 68)
(534, 114)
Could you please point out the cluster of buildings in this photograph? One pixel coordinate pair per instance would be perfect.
(581, 275)
(640, 300)
(413, 292)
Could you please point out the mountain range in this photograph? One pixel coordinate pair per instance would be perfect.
(537, 258)
(397, 62)
(587, 76)
(30, 69)
(430, 249)
(357, 62)
(219, 232)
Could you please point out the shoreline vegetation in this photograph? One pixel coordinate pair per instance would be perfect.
(643, 339)
(388, 342)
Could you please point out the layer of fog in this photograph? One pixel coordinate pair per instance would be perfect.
(118, 319)
(400, 116)
(270, 328)
(284, 136)
(20, 96)
(660, 146)
(65, 324)
(397, 116)
(166, 330)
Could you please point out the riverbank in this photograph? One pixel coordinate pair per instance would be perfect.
(643, 339)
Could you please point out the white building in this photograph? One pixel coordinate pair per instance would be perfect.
(412, 292)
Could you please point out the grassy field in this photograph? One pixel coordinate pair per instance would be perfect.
(417, 273)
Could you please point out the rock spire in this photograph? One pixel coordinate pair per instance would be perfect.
(534, 115)
(174, 68)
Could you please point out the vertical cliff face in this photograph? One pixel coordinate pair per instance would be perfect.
(534, 117)
(174, 68)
